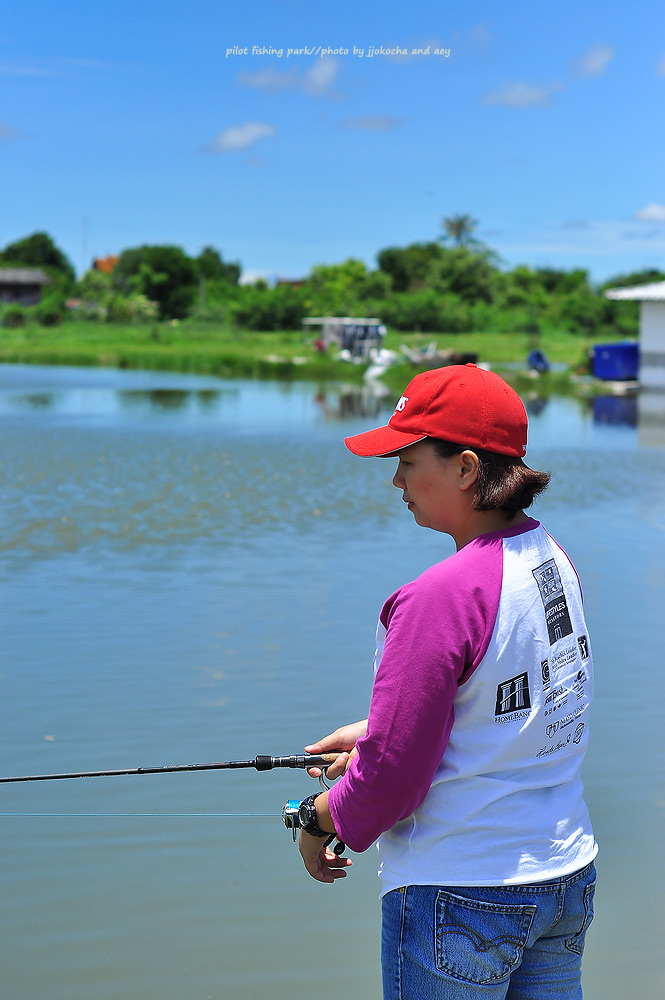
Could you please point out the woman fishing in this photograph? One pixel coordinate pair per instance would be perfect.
(467, 770)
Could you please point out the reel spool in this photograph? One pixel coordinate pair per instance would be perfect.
(290, 816)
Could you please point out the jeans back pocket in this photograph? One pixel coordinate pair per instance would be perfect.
(479, 942)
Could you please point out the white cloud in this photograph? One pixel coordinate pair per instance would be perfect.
(6, 70)
(600, 238)
(317, 81)
(522, 95)
(594, 61)
(372, 123)
(576, 224)
(60, 67)
(269, 79)
(653, 212)
(644, 234)
(319, 78)
(240, 137)
(480, 36)
(7, 133)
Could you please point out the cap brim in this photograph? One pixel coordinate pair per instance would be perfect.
(381, 442)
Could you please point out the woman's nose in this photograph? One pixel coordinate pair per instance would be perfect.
(398, 479)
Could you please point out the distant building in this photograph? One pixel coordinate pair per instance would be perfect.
(652, 329)
(104, 264)
(22, 286)
(292, 282)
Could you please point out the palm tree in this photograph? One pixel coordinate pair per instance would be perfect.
(459, 228)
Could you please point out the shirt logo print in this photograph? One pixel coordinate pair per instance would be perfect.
(554, 601)
(513, 695)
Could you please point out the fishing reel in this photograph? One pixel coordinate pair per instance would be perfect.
(291, 819)
(291, 811)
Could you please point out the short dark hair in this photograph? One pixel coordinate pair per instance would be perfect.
(504, 483)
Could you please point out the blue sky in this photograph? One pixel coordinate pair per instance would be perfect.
(130, 123)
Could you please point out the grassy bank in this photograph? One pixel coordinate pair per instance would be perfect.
(212, 350)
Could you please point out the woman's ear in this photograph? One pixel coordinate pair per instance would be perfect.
(468, 466)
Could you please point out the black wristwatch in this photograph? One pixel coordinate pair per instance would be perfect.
(308, 819)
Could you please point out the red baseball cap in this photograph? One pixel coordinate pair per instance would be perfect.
(460, 403)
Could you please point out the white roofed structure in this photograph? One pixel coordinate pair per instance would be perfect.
(359, 335)
(652, 329)
(654, 292)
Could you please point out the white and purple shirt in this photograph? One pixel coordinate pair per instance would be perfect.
(470, 770)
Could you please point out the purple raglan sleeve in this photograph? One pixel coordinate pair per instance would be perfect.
(438, 629)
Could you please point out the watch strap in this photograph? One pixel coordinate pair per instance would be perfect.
(310, 824)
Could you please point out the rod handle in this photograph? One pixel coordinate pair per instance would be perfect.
(264, 763)
(319, 759)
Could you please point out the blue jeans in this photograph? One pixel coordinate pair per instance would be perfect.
(505, 942)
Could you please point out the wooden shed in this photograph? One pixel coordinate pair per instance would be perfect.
(22, 286)
(652, 329)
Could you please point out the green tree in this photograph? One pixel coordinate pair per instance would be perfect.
(468, 273)
(262, 308)
(164, 274)
(557, 282)
(582, 309)
(51, 309)
(94, 286)
(520, 287)
(212, 268)
(38, 250)
(102, 301)
(426, 310)
(459, 229)
(409, 267)
(342, 289)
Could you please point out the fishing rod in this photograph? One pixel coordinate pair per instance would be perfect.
(260, 763)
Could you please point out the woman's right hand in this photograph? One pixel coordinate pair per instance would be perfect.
(342, 741)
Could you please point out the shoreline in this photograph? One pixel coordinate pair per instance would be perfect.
(199, 349)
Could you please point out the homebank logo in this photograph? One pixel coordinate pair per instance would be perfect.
(513, 695)
(402, 403)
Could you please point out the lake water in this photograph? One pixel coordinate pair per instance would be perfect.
(191, 570)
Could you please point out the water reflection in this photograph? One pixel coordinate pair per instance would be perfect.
(651, 419)
(162, 396)
(110, 401)
(615, 410)
(629, 409)
(345, 401)
(335, 402)
(36, 400)
(156, 400)
(535, 404)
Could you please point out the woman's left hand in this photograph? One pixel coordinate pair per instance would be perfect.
(320, 861)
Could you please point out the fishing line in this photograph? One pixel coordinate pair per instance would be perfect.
(262, 762)
(272, 815)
